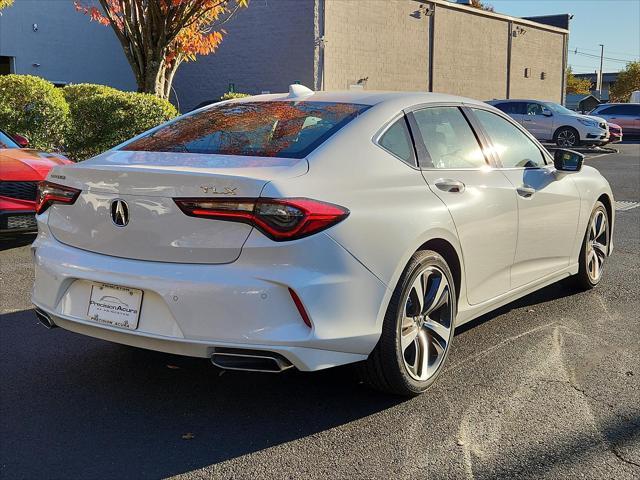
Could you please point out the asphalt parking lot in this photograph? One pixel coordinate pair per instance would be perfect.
(547, 387)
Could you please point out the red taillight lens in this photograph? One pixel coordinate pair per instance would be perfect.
(278, 218)
(50, 193)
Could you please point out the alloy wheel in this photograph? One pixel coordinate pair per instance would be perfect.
(426, 323)
(566, 138)
(597, 246)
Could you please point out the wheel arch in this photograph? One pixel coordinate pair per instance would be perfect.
(450, 255)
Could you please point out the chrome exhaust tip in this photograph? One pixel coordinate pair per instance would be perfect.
(44, 319)
(249, 360)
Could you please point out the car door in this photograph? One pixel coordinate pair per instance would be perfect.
(480, 199)
(622, 115)
(548, 200)
(536, 122)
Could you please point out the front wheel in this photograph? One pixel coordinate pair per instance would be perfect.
(567, 137)
(595, 248)
(417, 329)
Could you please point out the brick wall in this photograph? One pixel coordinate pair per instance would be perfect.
(386, 41)
(268, 46)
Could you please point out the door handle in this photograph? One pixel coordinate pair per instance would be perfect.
(525, 191)
(448, 185)
(527, 120)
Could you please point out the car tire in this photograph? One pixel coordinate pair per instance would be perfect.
(567, 137)
(402, 366)
(595, 249)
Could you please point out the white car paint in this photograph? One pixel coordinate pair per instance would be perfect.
(545, 119)
(209, 283)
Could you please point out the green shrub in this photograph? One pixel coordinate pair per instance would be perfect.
(73, 93)
(102, 118)
(232, 95)
(33, 107)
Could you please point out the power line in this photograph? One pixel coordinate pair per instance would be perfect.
(633, 55)
(620, 60)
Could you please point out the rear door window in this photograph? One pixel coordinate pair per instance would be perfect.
(512, 108)
(263, 129)
(448, 139)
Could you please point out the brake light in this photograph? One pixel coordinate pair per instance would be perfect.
(278, 218)
(50, 193)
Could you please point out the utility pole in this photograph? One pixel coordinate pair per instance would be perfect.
(600, 75)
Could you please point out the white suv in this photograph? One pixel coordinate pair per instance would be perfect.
(548, 121)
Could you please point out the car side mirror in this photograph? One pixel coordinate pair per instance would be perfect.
(23, 142)
(567, 160)
(547, 113)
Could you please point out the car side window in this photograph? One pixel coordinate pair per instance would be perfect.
(397, 140)
(513, 147)
(448, 139)
(534, 109)
(512, 108)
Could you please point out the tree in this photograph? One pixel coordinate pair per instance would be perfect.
(5, 3)
(482, 5)
(628, 81)
(577, 85)
(158, 35)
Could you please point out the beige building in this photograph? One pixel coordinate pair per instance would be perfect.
(425, 45)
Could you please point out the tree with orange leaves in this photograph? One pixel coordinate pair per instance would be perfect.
(158, 35)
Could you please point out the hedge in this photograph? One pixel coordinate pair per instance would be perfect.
(102, 117)
(232, 95)
(32, 107)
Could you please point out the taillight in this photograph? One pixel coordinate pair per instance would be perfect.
(278, 218)
(50, 193)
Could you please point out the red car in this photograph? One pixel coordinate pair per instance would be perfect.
(615, 133)
(20, 171)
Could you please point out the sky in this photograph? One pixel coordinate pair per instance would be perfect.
(614, 23)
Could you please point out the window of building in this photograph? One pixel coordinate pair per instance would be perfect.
(511, 145)
(397, 140)
(448, 139)
(6, 65)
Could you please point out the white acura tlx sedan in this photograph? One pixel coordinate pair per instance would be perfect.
(311, 230)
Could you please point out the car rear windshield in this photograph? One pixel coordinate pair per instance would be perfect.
(264, 129)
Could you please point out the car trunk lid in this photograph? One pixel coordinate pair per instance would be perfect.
(147, 182)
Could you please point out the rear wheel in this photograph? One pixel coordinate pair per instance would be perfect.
(595, 248)
(417, 329)
(567, 137)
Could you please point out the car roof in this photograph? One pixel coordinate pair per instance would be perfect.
(510, 100)
(365, 97)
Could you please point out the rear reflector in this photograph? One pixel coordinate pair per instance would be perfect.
(50, 193)
(278, 218)
(300, 307)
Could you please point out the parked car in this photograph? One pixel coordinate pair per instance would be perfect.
(20, 171)
(548, 121)
(615, 133)
(311, 230)
(627, 115)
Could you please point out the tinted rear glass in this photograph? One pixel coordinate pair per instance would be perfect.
(264, 129)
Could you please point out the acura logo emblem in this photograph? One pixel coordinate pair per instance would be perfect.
(119, 213)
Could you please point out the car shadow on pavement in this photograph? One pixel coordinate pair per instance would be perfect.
(77, 407)
(9, 242)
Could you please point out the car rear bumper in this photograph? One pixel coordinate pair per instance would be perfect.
(194, 309)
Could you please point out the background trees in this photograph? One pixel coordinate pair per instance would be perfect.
(628, 81)
(577, 85)
(158, 35)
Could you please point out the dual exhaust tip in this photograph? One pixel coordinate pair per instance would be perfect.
(44, 318)
(249, 360)
(224, 358)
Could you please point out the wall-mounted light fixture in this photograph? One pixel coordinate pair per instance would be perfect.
(34, 27)
(543, 75)
(527, 73)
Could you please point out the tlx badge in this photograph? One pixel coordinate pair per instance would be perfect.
(213, 190)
